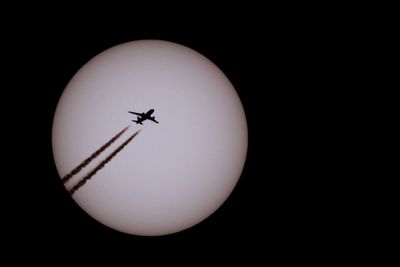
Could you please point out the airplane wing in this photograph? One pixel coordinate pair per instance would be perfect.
(139, 114)
(153, 120)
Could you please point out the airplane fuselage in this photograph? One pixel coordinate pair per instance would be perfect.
(144, 116)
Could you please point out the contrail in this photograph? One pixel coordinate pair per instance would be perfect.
(93, 156)
(102, 164)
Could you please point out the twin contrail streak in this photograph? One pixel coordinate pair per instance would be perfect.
(104, 162)
(92, 157)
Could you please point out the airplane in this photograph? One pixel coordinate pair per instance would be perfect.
(144, 116)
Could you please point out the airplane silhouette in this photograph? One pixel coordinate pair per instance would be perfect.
(144, 116)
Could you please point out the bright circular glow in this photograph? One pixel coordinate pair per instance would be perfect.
(172, 175)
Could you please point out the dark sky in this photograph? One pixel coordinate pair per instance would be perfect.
(268, 61)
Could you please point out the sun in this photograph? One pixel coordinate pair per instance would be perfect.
(149, 137)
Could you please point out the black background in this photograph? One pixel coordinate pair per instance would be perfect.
(269, 60)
